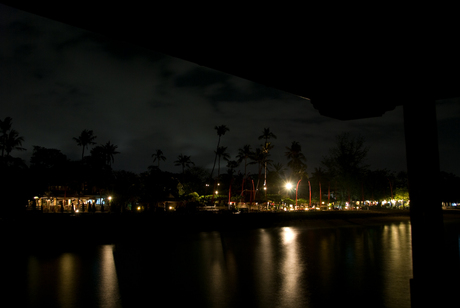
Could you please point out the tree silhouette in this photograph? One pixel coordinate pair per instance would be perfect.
(221, 153)
(345, 163)
(9, 138)
(12, 141)
(157, 156)
(232, 165)
(86, 138)
(109, 151)
(260, 157)
(243, 154)
(277, 175)
(266, 135)
(184, 161)
(5, 127)
(221, 130)
(104, 154)
(296, 158)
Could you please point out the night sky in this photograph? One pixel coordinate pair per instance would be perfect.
(56, 80)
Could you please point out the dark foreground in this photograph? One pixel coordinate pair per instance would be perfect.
(62, 229)
(313, 259)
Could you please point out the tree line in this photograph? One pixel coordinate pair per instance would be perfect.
(342, 177)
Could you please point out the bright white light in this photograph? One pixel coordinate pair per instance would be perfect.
(288, 235)
(288, 185)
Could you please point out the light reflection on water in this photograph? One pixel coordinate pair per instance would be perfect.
(81, 278)
(277, 267)
(292, 267)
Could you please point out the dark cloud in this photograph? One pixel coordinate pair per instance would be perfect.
(200, 78)
(56, 80)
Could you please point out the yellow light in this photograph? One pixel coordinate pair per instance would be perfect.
(288, 185)
(139, 208)
(216, 192)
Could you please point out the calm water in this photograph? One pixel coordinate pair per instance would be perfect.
(276, 267)
(69, 278)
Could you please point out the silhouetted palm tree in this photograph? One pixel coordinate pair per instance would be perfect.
(157, 156)
(260, 157)
(243, 154)
(9, 138)
(267, 134)
(221, 153)
(12, 141)
(232, 165)
(221, 130)
(86, 138)
(296, 158)
(278, 174)
(184, 161)
(109, 151)
(5, 126)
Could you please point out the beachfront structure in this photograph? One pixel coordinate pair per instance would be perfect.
(69, 204)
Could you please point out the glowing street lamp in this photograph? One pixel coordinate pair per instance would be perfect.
(288, 187)
(110, 199)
